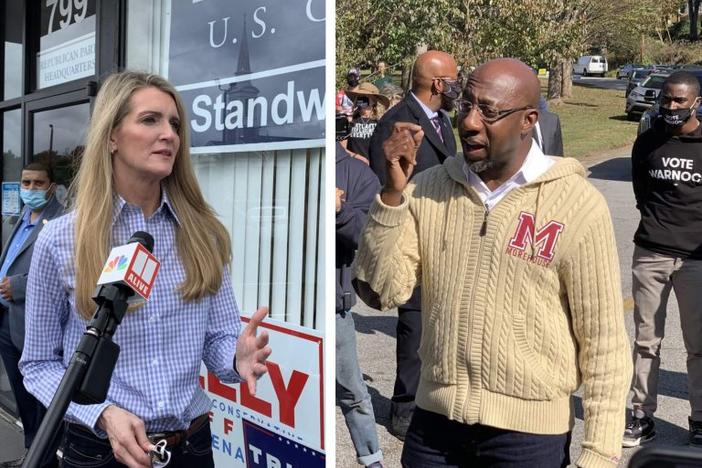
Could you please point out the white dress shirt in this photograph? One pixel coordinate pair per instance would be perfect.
(535, 164)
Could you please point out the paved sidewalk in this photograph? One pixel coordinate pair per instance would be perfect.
(11, 438)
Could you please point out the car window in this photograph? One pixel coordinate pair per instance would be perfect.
(655, 82)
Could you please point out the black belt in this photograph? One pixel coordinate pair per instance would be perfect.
(172, 438)
(175, 438)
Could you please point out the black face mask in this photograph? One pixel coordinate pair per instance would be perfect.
(675, 118)
(452, 89)
(352, 81)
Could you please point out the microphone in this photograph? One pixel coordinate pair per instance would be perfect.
(127, 277)
(129, 269)
(133, 266)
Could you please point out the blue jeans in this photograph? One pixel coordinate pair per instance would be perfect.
(82, 449)
(352, 394)
(434, 441)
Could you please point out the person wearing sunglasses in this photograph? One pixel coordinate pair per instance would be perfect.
(521, 303)
(434, 87)
(365, 118)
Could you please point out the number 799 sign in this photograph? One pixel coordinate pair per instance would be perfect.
(67, 12)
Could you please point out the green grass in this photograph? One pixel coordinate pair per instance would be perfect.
(593, 121)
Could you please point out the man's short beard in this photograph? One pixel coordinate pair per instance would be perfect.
(482, 165)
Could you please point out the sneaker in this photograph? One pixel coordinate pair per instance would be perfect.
(639, 431)
(695, 433)
(375, 465)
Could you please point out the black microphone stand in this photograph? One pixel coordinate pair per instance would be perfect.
(88, 376)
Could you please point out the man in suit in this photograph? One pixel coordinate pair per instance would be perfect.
(37, 193)
(547, 132)
(434, 88)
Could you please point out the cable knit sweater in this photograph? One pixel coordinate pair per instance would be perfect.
(520, 304)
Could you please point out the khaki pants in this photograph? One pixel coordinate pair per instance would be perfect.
(653, 277)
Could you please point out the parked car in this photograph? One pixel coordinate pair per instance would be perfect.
(636, 76)
(624, 70)
(651, 114)
(591, 65)
(644, 96)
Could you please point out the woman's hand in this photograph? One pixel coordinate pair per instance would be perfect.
(252, 351)
(127, 437)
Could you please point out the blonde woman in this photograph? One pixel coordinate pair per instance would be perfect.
(136, 175)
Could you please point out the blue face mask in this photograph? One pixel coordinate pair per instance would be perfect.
(35, 199)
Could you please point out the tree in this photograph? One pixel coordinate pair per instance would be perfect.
(542, 33)
(693, 8)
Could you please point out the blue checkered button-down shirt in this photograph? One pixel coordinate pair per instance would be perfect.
(162, 343)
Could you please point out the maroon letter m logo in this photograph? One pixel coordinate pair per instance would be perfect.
(546, 237)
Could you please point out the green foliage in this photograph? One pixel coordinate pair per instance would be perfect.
(539, 32)
(676, 53)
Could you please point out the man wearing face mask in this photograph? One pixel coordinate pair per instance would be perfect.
(435, 86)
(667, 178)
(40, 205)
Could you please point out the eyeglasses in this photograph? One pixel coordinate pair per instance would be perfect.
(488, 114)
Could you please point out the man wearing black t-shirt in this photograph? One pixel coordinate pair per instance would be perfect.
(667, 177)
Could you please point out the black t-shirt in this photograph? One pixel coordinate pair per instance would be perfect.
(360, 136)
(667, 179)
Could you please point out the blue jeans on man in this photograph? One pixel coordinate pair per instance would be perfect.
(352, 393)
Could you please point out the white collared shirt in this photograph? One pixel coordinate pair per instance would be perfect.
(535, 164)
(539, 136)
(430, 113)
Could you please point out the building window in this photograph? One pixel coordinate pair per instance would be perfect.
(12, 66)
(255, 103)
(66, 43)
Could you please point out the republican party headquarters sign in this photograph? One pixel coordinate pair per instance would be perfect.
(251, 73)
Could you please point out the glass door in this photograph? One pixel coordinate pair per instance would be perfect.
(57, 139)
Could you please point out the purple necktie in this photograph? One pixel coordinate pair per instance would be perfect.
(437, 125)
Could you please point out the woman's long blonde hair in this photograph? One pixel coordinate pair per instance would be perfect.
(203, 242)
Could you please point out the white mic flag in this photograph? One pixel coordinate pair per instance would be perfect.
(134, 266)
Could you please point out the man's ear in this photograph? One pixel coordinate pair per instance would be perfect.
(530, 118)
(435, 91)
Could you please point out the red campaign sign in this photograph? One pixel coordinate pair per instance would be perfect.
(289, 399)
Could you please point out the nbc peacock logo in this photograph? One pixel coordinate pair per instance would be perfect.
(116, 264)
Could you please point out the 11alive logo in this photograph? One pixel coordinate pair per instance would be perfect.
(132, 265)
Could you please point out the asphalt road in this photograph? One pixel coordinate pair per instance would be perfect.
(597, 82)
(376, 338)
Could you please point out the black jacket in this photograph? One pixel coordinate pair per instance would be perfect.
(667, 179)
(431, 152)
(550, 125)
(360, 186)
